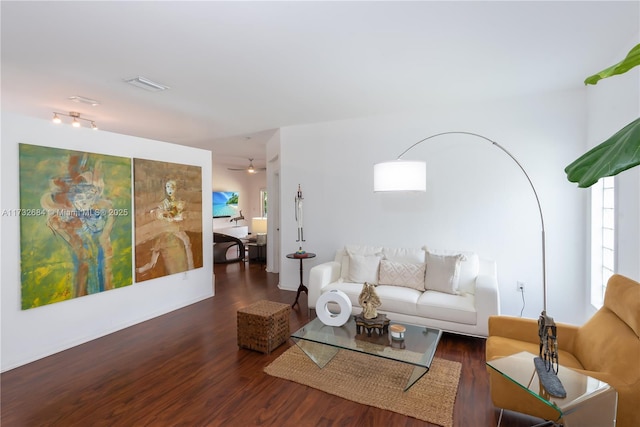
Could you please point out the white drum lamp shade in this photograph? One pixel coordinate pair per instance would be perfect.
(258, 225)
(400, 175)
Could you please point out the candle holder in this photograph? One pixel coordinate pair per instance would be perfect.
(397, 332)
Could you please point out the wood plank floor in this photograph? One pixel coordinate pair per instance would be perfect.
(185, 369)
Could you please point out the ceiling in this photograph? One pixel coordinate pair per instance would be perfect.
(237, 71)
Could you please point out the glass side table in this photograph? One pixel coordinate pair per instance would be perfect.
(589, 401)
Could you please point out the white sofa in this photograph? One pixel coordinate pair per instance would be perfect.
(448, 290)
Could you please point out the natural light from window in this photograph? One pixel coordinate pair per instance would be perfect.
(603, 243)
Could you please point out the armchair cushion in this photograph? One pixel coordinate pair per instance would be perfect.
(624, 301)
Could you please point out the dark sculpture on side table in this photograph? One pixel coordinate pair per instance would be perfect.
(547, 364)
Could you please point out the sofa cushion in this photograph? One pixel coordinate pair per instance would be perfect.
(398, 299)
(363, 268)
(469, 268)
(412, 255)
(443, 272)
(402, 274)
(447, 307)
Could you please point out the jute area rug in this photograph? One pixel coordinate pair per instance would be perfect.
(377, 382)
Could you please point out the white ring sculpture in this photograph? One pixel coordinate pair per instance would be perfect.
(327, 317)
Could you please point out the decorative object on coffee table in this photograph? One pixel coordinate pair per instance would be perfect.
(369, 301)
(263, 326)
(333, 318)
(397, 332)
(380, 323)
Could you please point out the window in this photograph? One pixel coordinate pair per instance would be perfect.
(603, 242)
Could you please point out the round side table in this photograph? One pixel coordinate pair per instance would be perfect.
(301, 286)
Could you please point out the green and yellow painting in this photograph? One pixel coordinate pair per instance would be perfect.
(75, 224)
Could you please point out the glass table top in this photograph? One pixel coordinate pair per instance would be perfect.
(519, 368)
(321, 343)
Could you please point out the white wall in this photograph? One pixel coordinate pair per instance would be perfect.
(477, 199)
(612, 104)
(32, 334)
(275, 202)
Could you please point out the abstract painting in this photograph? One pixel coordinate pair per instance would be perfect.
(168, 210)
(75, 224)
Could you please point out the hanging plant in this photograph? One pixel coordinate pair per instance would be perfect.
(618, 153)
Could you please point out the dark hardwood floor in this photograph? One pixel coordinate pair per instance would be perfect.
(185, 369)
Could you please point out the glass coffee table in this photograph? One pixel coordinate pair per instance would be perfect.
(321, 343)
(589, 401)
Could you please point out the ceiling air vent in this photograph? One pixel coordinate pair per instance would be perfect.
(146, 84)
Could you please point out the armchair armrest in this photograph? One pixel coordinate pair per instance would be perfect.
(526, 330)
(319, 277)
(515, 328)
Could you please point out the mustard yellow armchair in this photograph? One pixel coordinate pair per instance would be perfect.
(606, 347)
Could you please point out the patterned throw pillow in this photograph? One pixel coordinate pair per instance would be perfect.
(409, 275)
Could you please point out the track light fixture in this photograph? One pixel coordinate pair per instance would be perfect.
(76, 119)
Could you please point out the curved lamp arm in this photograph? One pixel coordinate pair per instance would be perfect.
(398, 164)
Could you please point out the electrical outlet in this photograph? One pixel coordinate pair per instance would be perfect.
(520, 286)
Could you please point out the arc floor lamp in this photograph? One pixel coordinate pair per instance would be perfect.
(411, 175)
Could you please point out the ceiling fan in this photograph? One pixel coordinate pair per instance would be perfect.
(250, 169)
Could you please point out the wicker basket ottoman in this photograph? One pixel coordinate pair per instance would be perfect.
(263, 326)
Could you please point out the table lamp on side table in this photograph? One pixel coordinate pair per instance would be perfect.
(259, 229)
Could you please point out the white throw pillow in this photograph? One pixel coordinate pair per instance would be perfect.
(364, 268)
(342, 256)
(443, 273)
(410, 275)
(469, 268)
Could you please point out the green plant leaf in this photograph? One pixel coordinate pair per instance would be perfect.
(632, 60)
(618, 153)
